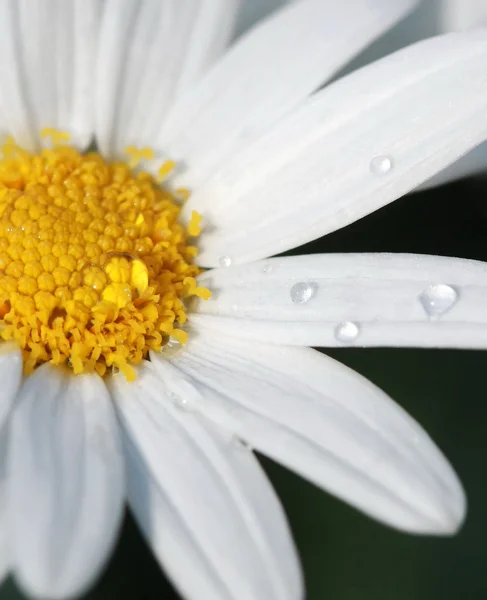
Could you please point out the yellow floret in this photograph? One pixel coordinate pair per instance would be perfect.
(94, 263)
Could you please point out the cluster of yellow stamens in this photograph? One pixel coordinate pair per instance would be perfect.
(95, 266)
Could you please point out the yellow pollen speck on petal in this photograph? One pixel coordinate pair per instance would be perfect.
(194, 228)
(138, 154)
(165, 170)
(56, 136)
(95, 266)
(182, 193)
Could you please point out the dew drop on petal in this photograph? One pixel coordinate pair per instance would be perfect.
(266, 269)
(347, 332)
(437, 299)
(224, 261)
(182, 403)
(171, 348)
(381, 165)
(303, 291)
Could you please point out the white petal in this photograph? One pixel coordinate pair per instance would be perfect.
(5, 553)
(473, 163)
(268, 72)
(386, 296)
(11, 377)
(328, 423)
(65, 482)
(47, 50)
(203, 502)
(150, 52)
(320, 169)
(458, 15)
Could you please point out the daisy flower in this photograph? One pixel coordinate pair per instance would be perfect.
(130, 373)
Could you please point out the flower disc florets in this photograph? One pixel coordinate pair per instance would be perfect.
(94, 263)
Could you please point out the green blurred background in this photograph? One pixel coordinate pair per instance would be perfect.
(345, 555)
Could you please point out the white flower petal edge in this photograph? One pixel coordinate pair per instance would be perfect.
(362, 142)
(5, 553)
(150, 52)
(386, 300)
(266, 73)
(65, 482)
(473, 163)
(323, 420)
(456, 15)
(203, 503)
(47, 58)
(11, 377)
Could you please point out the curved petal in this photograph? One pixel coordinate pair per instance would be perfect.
(386, 300)
(5, 553)
(150, 52)
(361, 143)
(65, 482)
(202, 501)
(268, 72)
(328, 423)
(47, 54)
(11, 378)
(473, 163)
(458, 15)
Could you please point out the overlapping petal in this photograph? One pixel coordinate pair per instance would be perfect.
(65, 483)
(383, 299)
(323, 420)
(359, 144)
(202, 501)
(47, 60)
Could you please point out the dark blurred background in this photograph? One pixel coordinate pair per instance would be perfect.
(345, 555)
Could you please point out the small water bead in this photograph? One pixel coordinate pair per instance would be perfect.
(266, 269)
(381, 165)
(347, 332)
(225, 261)
(182, 403)
(303, 291)
(437, 299)
(171, 348)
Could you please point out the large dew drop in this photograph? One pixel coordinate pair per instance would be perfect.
(303, 291)
(381, 165)
(347, 332)
(437, 299)
(225, 261)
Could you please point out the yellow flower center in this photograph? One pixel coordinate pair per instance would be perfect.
(95, 266)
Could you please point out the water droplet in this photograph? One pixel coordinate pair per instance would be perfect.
(347, 332)
(225, 261)
(381, 165)
(182, 403)
(171, 348)
(267, 269)
(303, 291)
(437, 299)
